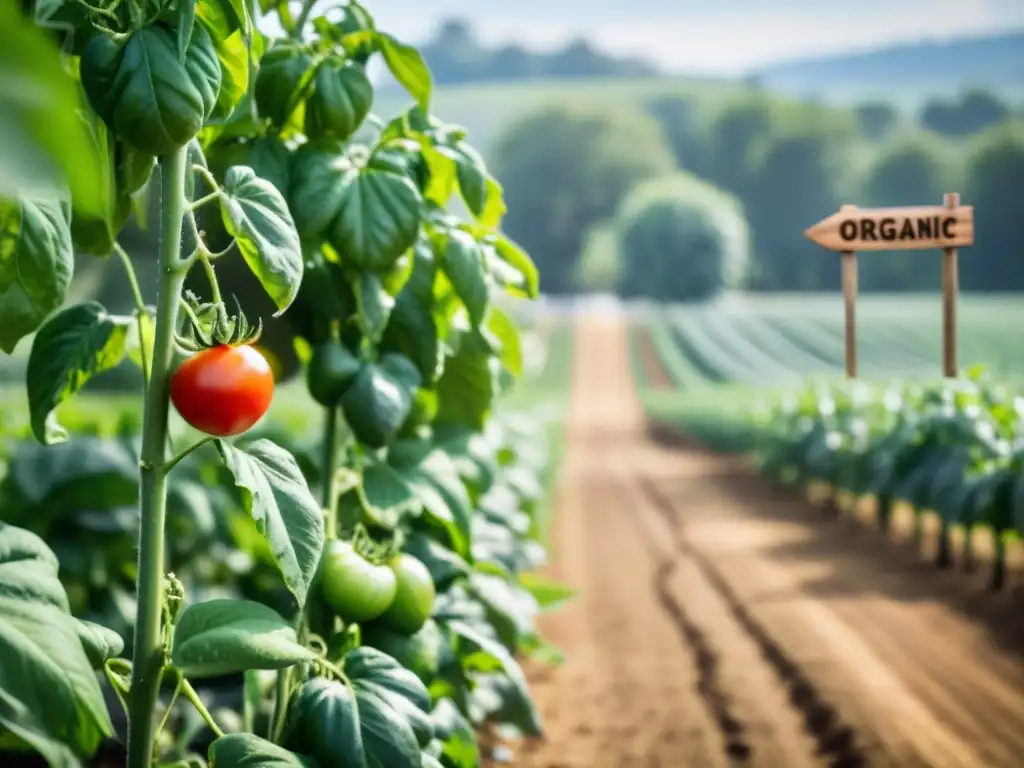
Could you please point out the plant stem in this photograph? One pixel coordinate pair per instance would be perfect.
(211, 276)
(147, 653)
(307, 8)
(330, 467)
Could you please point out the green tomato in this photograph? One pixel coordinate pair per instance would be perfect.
(414, 596)
(355, 588)
(330, 371)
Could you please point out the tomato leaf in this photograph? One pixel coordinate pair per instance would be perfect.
(511, 254)
(463, 264)
(245, 750)
(374, 303)
(467, 389)
(387, 497)
(526, 716)
(222, 637)
(98, 642)
(36, 264)
(45, 143)
(444, 564)
(257, 216)
(73, 346)
(504, 337)
(228, 31)
(408, 68)
(471, 173)
(341, 99)
(276, 495)
(548, 594)
(323, 719)
(140, 88)
(284, 71)
(460, 749)
(435, 481)
(49, 694)
(380, 399)
(378, 215)
(414, 327)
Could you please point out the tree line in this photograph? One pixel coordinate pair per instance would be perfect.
(640, 199)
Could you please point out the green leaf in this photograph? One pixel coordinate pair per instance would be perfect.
(323, 719)
(380, 399)
(228, 32)
(408, 68)
(141, 89)
(415, 328)
(467, 389)
(257, 216)
(548, 594)
(445, 565)
(504, 336)
(514, 256)
(73, 346)
(374, 303)
(341, 99)
(45, 144)
(435, 481)
(222, 637)
(98, 642)
(528, 718)
(387, 495)
(276, 495)
(245, 750)
(285, 70)
(463, 264)
(471, 173)
(460, 749)
(377, 216)
(36, 264)
(184, 25)
(49, 694)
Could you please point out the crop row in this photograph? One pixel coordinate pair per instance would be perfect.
(948, 451)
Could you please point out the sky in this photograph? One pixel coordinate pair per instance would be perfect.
(715, 37)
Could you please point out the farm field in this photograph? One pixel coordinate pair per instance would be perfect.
(722, 621)
(766, 341)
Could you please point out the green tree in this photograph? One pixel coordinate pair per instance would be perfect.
(799, 175)
(565, 168)
(733, 133)
(682, 239)
(876, 119)
(685, 123)
(600, 262)
(974, 111)
(914, 169)
(995, 170)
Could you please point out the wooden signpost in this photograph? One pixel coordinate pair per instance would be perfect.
(946, 227)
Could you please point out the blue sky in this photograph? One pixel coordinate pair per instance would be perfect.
(707, 36)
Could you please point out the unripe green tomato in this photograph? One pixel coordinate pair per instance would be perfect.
(331, 369)
(414, 596)
(355, 588)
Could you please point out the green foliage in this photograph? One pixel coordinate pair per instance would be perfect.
(877, 119)
(974, 111)
(994, 168)
(589, 157)
(914, 169)
(199, 557)
(798, 175)
(682, 240)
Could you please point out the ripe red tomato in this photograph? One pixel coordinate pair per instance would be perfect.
(224, 390)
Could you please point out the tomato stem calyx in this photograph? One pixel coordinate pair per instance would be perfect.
(208, 325)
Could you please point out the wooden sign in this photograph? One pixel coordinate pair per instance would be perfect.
(895, 229)
(851, 229)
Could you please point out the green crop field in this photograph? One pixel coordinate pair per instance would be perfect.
(783, 339)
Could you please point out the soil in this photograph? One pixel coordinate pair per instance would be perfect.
(721, 622)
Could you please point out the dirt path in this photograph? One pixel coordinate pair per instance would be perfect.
(723, 624)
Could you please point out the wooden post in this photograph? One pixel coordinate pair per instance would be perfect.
(849, 277)
(950, 289)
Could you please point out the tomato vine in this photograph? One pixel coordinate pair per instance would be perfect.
(404, 609)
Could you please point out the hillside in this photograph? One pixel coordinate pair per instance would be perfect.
(994, 62)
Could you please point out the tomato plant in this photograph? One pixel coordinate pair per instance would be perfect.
(264, 152)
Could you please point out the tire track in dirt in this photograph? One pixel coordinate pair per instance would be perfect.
(835, 739)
